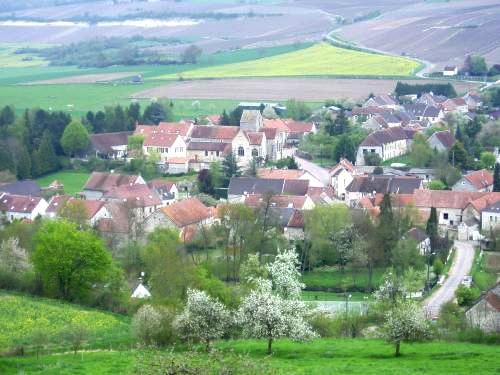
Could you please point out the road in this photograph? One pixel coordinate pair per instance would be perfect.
(319, 172)
(461, 267)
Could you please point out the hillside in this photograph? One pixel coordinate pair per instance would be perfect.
(324, 356)
(24, 317)
(319, 60)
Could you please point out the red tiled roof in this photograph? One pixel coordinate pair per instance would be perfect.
(444, 198)
(297, 220)
(18, 203)
(278, 124)
(269, 132)
(493, 300)
(56, 203)
(139, 195)
(161, 184)
(210, 146)
(299, 127)
(187, 212)
(480, 179)
(101, 181)
(342, 164)
(486, 200)
(214, 119)
(277, 174)
(180, 128)
(119, 221)
(446, 138)
(255, 139)
(222, 133)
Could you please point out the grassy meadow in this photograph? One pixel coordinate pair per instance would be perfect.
(73, 181)
(318, 60)
(22, 317)
(325, 279)
(322, 356)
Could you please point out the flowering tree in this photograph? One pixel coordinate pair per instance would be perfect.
(405, 322)
(13, 258)
(274, 308)
(204, 318)
(146, 324)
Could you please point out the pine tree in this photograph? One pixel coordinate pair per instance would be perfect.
(24, 164)
(224, 119)
(47, 159)
(387, 231)
(496, 178)
(230, 167)
(432, 227)
(458, 134)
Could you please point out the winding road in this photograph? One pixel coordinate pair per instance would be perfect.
(462, 264)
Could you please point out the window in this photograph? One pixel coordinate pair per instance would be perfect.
(217, 153)
(206, 153)
(255, 152)
(241, 151)
(445, 216)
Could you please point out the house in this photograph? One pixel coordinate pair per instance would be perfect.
(485, 313)
(473, 101)
(186, 216)
(421, 238)
(490, 217)
(281, 201)
(430, 99)
(441, 141)
(458, 105)
(142, 200)
(321, 195)
(55, 205)
(450, 71)
(276, 129)
(251, 120)
(25, 187)
(387, 143)
(297, 130)
(382, 101)
(167, 191)
(341, 176)
(425, 112)
(21, 207)
(141, 292)
(202, 154)
(362, 186)
(477, 181)
(289, 174)
(295, 228)
(101, 182)
(183, 129)
(241, 187)
(94, 210)
(121, 226)
(109, 145)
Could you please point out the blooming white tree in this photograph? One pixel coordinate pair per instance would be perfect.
(405, 322)
(13, 258)
(146, 324)
(274, 308)
(204, 318)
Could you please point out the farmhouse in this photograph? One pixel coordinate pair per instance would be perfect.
(94, 210)
(109, 145)
(387, 143)
(341, 176)
(425, 112)
(294, 230)
(381, 101)
(25, 187)
(477, 181)
(289, 174)
(100, 183)
(281, 201)
(21, 207)
(167, 191)
(490, 217)
(137, 197)
(441, 141)
(241, 187)
(485, 313)
(458, 105)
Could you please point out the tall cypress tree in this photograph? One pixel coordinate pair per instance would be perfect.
(23, 164)
(47, 159)
(388, 232)
(496, 178)
(432, 227)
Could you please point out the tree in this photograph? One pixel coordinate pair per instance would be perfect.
(76, 334)
(405, 255)
(388, 234)
(437, 185)
(23, 164)
(438, 266)
(152, 325)
(477, 66)
(405, 323)
(156, 113)
(269, 112)
(75, 139)
(338, 126)
(224, 119)
(275, 309)
(46, 157)
(488, 160)
(69, 261)
(298, 110)
(13, 258)
(372, 158)
(135, 143)
(496, 178)
(75, 211)
(421, 153)
(191, 54)
(204, 318)
(230, 167)
(345, 148)
(7, 116)
(253, 167)
(205, 183)
(458, 156)
(466, 296)
(432, 228)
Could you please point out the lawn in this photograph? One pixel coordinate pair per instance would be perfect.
(484, 278)
(9, 59)
(329, 296)
(319, 60)
(22, 316)
(331, 280)
(403, 159)
(73, 181)
(322, 356)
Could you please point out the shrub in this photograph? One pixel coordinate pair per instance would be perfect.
(467, 296)
(152, 325)
(438, 266)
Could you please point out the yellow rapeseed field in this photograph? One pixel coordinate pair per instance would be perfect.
(319, 60)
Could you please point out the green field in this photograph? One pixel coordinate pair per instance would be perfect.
(73, 181)
(322, 356)
(319, 60)
(331, 279)
(22, 316)
(329, 296)
(9, 59)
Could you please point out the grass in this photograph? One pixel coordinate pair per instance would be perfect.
(21, 316)
(73, 181)
(328, 280)
(322, 356)
(319, 60)
(329, 296)
(9, 59)
(403, 159)
(483, 277)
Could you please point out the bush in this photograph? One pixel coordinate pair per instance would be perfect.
(152, 325)
(372, 158)
(339, 325)
(467, 296)
(438, 266)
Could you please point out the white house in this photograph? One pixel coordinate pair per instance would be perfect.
(450, 71)
(21, 207)
(490, 217)
(477, 181)
(387, 143)
(341, 176)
